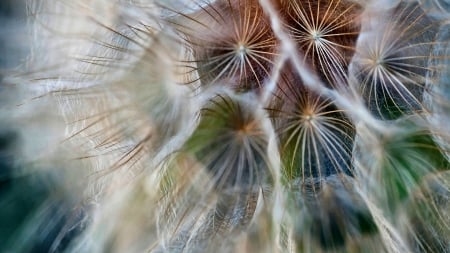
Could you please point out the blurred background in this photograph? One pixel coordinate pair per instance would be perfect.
(13, 33)
(30, 218)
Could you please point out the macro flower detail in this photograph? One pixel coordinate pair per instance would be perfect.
(391, 70)
(225, 126)
(326, 32)
(232, 43)
(315, 137)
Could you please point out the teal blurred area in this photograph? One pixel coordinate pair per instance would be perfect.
(32, 212)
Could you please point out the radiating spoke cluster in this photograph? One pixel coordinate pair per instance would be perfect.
(236, 48)
(326, 32)
(231, 143)
(315, 137)
(393, 66)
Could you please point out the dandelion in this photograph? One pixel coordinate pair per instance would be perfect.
(325, 32)
(227, 156)
(391, 69)
(231, 42)
(315, 137)
(139, 126)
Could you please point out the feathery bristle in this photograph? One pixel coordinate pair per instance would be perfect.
(325, 32)
(232, 43)
(315, 136)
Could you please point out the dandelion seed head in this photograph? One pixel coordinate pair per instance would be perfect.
(239, 50)
(236, 125)
(326, 33)
(391, 60)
